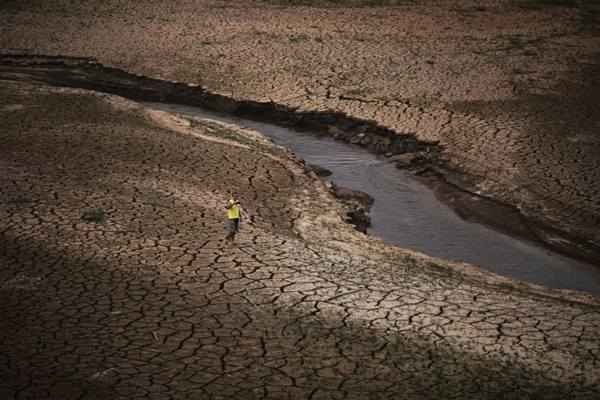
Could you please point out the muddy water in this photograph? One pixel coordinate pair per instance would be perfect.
(407, 214)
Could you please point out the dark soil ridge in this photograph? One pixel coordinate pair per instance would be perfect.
(408, 152)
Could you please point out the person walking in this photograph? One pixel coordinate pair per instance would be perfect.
(233, 217)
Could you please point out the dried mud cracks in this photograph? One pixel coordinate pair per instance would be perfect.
(147, 301)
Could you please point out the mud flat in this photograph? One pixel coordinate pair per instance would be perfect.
(507, 88)
(116, 281)
(394, 206)
(519, 261)
(424, 159)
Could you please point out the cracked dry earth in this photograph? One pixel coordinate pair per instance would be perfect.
(509, 89)
(149, 302)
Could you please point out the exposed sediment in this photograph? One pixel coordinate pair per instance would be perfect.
(117, 281)
(508, 87)
(426, 159)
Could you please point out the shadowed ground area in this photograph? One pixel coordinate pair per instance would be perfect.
(116, 283)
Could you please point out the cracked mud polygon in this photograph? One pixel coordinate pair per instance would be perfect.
(116, 280)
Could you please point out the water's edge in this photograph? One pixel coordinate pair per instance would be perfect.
(407, 213)
(421, 158)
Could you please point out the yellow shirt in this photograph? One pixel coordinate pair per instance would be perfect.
(233, 212)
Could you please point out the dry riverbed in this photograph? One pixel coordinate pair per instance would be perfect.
(117, 283)
(508, 87)
(115, 280)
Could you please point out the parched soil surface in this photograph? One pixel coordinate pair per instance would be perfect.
(509, 87)
(116, 282)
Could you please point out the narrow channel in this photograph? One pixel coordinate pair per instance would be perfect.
(407, 214)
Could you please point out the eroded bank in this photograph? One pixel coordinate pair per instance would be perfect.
(426, 159)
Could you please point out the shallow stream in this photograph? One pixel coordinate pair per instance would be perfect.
(406, 213)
